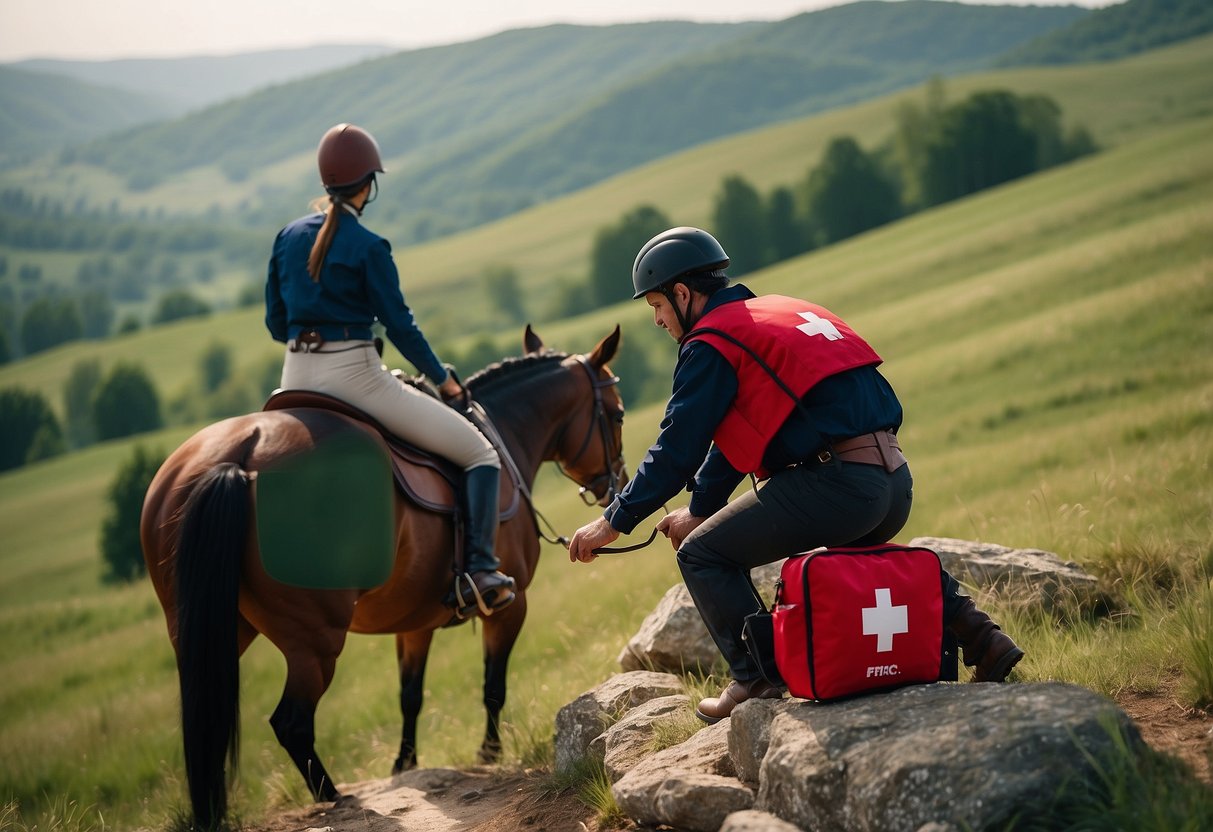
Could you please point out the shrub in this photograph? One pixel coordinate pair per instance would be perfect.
(126, 403)
(120, 546)
(28, 428)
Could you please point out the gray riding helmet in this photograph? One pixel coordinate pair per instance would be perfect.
(675, 253)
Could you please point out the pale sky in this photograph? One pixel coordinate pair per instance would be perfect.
(105, 29)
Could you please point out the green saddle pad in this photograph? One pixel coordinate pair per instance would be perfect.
(325, 518)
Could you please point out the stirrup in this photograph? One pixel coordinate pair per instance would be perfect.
(461, 610)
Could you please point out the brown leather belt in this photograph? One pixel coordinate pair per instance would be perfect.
(879, 448)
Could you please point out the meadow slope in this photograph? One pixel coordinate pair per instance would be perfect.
(1049, 338)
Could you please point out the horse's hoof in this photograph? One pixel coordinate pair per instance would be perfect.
(489, 754)
(401, 765)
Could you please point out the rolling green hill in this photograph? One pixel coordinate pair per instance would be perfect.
(1116, 31)
(41, 111)
(192, 82)
(476, 131)
(1049, 339)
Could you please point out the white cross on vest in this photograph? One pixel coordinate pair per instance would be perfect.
(885, 621)
(819, 326)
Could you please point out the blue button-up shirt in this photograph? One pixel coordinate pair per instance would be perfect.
(838, 407)
(358, 284)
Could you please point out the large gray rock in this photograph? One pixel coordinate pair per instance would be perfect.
(587, 716)
(970, 756)
(700, 802)
(707, 752)
(631, 738)
(1032, 576)
(750, 734)
(671, 638)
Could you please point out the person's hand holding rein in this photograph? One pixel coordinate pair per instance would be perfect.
(453, 393)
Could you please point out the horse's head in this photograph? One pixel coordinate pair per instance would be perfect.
(589, 446)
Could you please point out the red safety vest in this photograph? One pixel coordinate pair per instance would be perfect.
(801, 341)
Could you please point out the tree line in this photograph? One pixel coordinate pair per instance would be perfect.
(937, 153)
(100, 405)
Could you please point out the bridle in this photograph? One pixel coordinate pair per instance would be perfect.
(600, 420)
(600, 423)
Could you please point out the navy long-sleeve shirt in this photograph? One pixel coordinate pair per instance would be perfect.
(838, 407)
(358, 284)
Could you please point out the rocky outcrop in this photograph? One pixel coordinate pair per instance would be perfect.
(969, 756)
(943, 756)
(673, 638)
(1032, 577)
(690, 786)
(586, 717)
(631, 739)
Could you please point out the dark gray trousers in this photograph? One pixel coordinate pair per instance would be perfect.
(798, 509)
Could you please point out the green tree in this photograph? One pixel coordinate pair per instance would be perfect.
(848, 193)
(614, 252)
(126, 403)
(49, 322)
(78, 392)
(28, 428)
(909, 142)
(178, 304)
(6, 354)
(215, 366)
(981, 142)
(119, 540)
(96, 313)
(788, 233)
(739, 222)
(504, 292)
(129, 324)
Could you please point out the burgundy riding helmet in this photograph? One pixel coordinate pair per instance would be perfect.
(347, 157)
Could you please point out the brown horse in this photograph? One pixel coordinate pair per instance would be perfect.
(200, 544)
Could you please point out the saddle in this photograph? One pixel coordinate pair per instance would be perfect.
(429, 481)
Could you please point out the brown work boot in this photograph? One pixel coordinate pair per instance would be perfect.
(716, 708)
(984, 645)
(488, 590)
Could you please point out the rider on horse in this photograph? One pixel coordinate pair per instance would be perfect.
(329, 280)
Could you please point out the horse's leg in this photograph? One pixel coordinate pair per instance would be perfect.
(412, 650)
(500, 633)
(309, 670)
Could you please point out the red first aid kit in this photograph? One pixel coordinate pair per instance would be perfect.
(855, 620)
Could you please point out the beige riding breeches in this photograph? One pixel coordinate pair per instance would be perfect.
(352, 371)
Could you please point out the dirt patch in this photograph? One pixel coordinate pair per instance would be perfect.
(490, 799)
(1168, 726)
(443, 800)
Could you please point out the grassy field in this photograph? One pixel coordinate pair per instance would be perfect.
(1050, 340)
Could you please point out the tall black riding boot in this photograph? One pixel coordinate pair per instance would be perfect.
(483, 586)
(984, 644)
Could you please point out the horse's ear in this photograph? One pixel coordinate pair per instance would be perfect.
(530, 341)
(606, 348)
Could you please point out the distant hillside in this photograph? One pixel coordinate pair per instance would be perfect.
(1117, 31)
(190, 83)
(479, 130)
(41, 111)
(796, 67)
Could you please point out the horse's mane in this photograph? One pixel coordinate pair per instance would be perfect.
(508, 367)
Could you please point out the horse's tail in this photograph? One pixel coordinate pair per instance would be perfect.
(210, 545)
